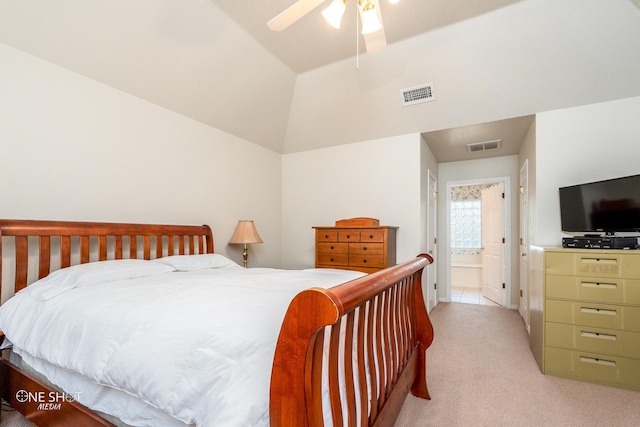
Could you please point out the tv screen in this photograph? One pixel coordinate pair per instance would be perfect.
(604, 206)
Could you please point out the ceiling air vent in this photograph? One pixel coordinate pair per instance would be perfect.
(484, 146)
(418, 94)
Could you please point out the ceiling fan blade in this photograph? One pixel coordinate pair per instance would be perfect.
(377, 40)
(292, 14)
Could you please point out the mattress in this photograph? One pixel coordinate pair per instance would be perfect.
(175, 347)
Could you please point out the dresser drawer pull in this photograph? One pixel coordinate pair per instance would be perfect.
(371, 236)
(598, 335)
(598, 311)
(364, 260)
(600, 260)
(330, 247)
(599, 285)
(364, 248)
(598, 361)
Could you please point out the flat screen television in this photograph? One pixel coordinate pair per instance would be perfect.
(601, 207)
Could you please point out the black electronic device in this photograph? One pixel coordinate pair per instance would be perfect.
(608, 206)
(602, 242)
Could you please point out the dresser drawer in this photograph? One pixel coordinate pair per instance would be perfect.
(599, 264)
(376, 236)
(364, 249)
(366, 254)
(349, 236)
(332, 260)
(605, 369)
(595, 340)
(326, 235)
(601, 289)
(333, 248)
(593, 314)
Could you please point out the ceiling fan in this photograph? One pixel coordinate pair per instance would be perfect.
(368, 10)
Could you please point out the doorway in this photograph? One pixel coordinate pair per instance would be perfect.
(477, 243)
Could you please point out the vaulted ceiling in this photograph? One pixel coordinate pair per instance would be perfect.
(216, 61)
(311, 42)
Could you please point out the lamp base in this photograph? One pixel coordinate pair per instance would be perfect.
(245, 255)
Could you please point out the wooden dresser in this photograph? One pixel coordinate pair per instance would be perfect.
(592, 315)
(360, 244)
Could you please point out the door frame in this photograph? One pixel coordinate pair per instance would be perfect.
(509, 241)
(432, 234)
(524, 233)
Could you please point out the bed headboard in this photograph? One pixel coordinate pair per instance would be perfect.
(57, 244)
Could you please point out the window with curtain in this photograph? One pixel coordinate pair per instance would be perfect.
(466, 224)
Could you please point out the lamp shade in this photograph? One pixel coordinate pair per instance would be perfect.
(370, 21)
(333, 14)
(245, 233)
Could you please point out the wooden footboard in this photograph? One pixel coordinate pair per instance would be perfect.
(366, 339)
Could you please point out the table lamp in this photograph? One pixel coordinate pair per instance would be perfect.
(245, 233)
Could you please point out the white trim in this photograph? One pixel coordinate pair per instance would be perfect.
(432, 224)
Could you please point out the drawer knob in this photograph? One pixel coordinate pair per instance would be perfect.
(331, 247)
(364, 249)
(326, 236)
(348, 236)
(371, 236)
(331, 259)
(364, 260)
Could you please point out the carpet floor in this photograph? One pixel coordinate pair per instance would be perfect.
(481, 372)
(10, 418)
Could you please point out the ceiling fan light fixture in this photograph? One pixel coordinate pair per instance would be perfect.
(333, 14)
(370, 21)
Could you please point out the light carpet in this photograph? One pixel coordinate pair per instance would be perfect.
(480, 372)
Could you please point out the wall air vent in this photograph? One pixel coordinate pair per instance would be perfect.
(484, 146)
(418, 94)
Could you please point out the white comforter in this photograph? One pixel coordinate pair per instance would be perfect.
(197, 345)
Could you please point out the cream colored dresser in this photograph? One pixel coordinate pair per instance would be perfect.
(592, 315)
(356, 244)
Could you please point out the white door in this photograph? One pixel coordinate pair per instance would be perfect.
(493, 243)
(432, 292)
(524, 243)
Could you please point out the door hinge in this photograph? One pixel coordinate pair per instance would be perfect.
(520, 293)
(504, 240)
(503, 195)
(435, 286)
(504, 286)
(521, 240)
(435, 240)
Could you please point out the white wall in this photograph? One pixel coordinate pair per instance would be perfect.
(478, 171)
(378, 178)
(578, 145)
(75, 149)
(530, 57)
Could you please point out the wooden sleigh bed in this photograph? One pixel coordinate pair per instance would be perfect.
(381, 316)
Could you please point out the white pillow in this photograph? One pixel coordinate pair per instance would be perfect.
(94, 273)
(196, 262)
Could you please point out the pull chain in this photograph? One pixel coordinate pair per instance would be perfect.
(357, 37)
